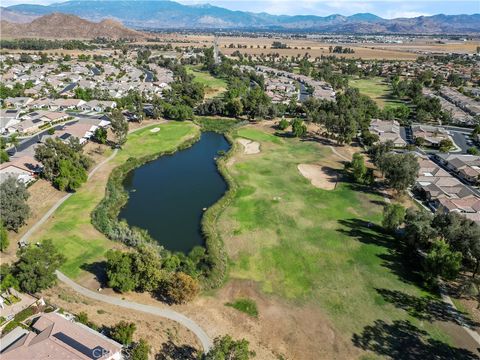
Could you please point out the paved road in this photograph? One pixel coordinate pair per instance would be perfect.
(163, 312)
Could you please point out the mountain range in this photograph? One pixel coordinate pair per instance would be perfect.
(65, 26)
(165, 14)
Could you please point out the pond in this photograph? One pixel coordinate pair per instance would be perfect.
(167, 195)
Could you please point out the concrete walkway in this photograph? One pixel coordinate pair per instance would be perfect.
(163, 312)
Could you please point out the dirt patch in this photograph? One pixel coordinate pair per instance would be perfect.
(321, 177)
(251, 147)
(281, 329)
(156, 330)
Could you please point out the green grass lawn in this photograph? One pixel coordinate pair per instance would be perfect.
(213, 86)
(70, 227)
(310, 245)
(377, 89)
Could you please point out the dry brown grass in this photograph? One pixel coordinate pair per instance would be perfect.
(156, 330)
(407, 51)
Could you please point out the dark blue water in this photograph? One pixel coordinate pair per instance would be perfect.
(167, 195)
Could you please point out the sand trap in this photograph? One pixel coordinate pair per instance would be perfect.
(319, 176)
(251, 147)
(154, 130)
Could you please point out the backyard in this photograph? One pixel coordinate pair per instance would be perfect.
(70, 227)
(322, 247)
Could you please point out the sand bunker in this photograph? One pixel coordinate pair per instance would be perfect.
(251, 147)
(154, 130)
(319, 176)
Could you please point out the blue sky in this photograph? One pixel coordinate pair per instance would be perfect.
(383, 8)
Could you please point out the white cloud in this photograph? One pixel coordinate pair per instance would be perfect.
(404, 14)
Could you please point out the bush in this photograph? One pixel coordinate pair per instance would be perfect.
(283, 124)
(247, 306)
(393, 216)
(140, 350)
(123, 332)
(473, 150)
(180, 288)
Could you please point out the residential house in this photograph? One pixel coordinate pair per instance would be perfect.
(464, 102)
(17, 102)
(52, 336)
(66, 104)
(432, 135)
(98, 105)
(8, 119)
(387, 130)
(466, 167)
(23, 168)
(42, 103)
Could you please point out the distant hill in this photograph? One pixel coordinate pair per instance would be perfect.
(165, 14)
(15, 17)
(63, 26)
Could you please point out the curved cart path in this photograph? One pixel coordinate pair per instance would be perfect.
(163, 312)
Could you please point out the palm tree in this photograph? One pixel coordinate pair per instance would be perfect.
(14, 141)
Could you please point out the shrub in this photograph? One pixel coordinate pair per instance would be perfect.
(123, 332)
(247, 306)
(283, 124)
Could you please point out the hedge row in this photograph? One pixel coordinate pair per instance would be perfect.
(217, 254)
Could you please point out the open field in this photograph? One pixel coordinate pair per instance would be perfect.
(70, 227)
(377, 89)
(315, 248)
(213, 86)
(405, 51)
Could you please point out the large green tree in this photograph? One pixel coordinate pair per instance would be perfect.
(393, 217)
(225, 347)
(119, 125)
(35, 269)
(401, 170)
(140, 350)
(64, 164)
(418, 228)
(298, 128)
(119, 271)
(4, 242)
(13, 199)
(442, 261)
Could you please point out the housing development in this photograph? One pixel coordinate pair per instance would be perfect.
(191, 181)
